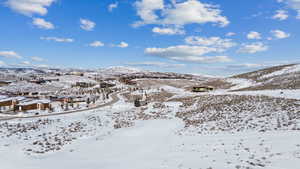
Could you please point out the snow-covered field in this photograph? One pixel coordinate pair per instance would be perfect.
(176, 129)
(154, 144)
(91, 141)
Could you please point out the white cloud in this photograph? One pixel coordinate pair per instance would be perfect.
(168, 31)
(298, 16)
(294, 4)
(156, 64)
(146, 10)
(41, 66)
(245, 66)
(37, 59)
(230, 34)
(215, 42)
(30, 7)
(249, 65)
(253, 48)
(112, 6)
(96, 44)
(179, 13)
(193, 11)
(41, 23)
(280, 34)
(187, 53)
(2, 63)
(204, 59)
(197, 49)
(10, 54)
(56, 39)
(87, 25)
(254, 35)
(123, 45)
(180, 50)
(25, 63)
(281, 15)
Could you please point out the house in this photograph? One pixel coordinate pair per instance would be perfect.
(69, 99)
(60, 99)
(106, 85)
(5, 82)
(130, 82)
(110, 79)
(76, 73)
(202, 88)
(138, 102)
(11, 101)
(45, 93)
(23, 93)
(34, 93)
(58, 74)
(77, 100)
(51, 80)
(33, 105)
(127, 81)
(83, 84)
(39, 81)
(27, 93)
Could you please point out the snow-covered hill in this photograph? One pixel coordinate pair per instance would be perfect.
(277, 77)
(115, 70)
(122, 71)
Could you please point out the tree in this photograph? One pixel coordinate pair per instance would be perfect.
(88, 101)
(67, 107)
(137, 103)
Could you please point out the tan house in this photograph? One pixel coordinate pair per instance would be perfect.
(11, 101)
(83, 84)
(202, 88)
(33, 105)
(127, 81)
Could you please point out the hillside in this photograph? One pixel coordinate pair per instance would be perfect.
(277, 77)
(283, 77)
(133, 73)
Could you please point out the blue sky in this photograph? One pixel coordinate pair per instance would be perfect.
(218, 37)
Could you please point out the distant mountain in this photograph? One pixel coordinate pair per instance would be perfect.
(134, 73)
(117, 70)
(22, 70)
